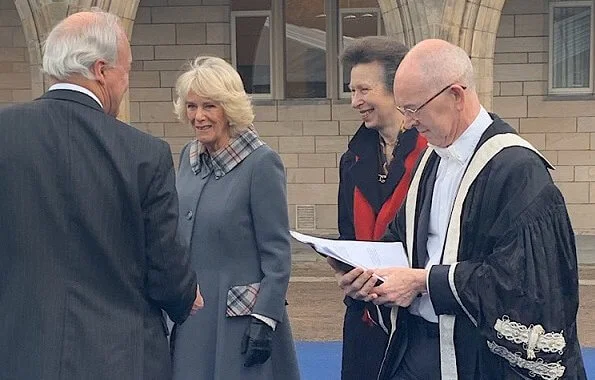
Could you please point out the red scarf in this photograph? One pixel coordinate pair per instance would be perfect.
(368, 225)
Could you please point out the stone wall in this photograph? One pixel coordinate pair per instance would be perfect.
(166, 35)
(15, 77)
(562, 128)
(310, 136)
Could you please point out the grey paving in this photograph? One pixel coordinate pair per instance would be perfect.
(303, 252)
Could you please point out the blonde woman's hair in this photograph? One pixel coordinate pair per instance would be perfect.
(215, 79)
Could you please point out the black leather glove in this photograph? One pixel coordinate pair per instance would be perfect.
(257, 342)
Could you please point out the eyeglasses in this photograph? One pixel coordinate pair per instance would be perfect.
(411, 112)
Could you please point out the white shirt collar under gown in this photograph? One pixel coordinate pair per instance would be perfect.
(453, 162)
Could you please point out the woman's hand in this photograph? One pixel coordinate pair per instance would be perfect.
(356, 283)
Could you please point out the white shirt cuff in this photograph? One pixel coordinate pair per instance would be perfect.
(269, 321)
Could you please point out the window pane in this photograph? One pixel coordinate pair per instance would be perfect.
(358, 3)
(359, 24)
(360, 18)
(357, 19)
(305, 49)
(253, 56)
(250, 5)
(571, 47)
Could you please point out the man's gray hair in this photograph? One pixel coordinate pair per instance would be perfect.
(73, 49)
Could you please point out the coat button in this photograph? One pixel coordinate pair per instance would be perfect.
(189, 215)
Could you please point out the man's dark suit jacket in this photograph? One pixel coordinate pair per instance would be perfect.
(89, 253)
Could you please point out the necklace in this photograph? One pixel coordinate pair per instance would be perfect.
(382, 176)
(386, 155)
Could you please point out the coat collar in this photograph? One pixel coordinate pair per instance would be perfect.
(75, 87)
(72, 96)
(227, 158)
(365, 144)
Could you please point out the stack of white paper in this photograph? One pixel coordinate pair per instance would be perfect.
(362, 254)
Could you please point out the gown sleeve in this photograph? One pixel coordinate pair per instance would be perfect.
(522, 291)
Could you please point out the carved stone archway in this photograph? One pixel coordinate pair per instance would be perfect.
(470, 24)
(38, 17)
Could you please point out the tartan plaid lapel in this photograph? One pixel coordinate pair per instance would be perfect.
(228, 157)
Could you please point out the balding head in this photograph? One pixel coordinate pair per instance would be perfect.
(90, 49)
(78, 41)
(435, 90)
(79, 20)
(436, 63)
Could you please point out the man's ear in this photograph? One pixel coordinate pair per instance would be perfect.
(98, 70)
(460, 96)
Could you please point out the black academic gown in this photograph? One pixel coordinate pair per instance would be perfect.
(515, 268)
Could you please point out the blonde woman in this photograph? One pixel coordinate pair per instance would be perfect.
(233, 215)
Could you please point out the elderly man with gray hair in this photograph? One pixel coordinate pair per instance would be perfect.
(89, 247)
(492, 292)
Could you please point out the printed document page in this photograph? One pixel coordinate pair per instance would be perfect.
(363, 254)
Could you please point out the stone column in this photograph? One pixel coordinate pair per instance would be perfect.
(470, 24)
(38, 17)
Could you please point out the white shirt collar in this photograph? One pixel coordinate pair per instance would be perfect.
(75, 87)
(463, 147)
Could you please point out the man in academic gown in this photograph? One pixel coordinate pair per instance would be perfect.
(493, 288)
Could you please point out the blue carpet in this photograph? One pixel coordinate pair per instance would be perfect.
(319, 360)
(589, 359)
(322, 360)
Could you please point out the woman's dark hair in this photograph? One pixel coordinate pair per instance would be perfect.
(384, 50)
